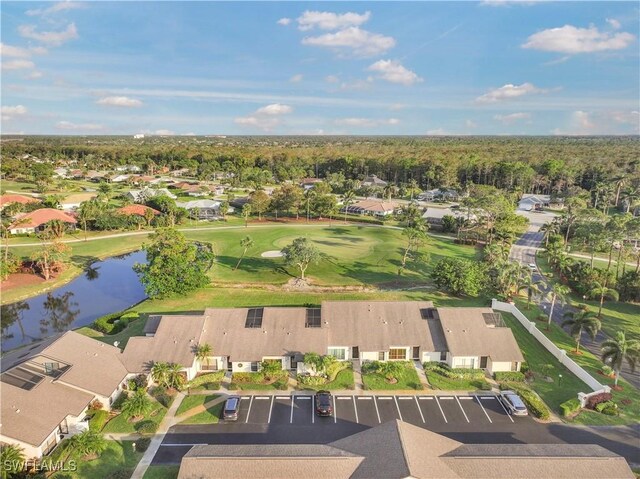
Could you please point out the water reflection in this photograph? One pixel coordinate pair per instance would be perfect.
(106, 287)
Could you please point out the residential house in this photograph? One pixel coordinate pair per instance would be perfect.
(36, 220)
(397, 450)
(434, 216)
(61, 172)
(202, 209)
(308, 183)
(74, 201)
(130, 168)
(48, 387)
(142, 195)
(439, 194)
(374, 181)
(530, 202)
(8, 199)
(371, 207)
(348, 330)
(119, 178)
(179, 172)
(96, 176)
(138, 210)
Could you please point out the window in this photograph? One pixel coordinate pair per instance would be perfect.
(465, 363)
(443, 356)
(381, 356)
(254, 367)
(313, 318)
(397, 353)
(338, 353)
(254, 318)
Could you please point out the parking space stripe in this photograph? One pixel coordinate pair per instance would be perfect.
(443, 416)
(404, 397)
(302, 397)
(420, 410)
(335, 412)
(270, 409)
(183, 445)
(375, 401)
(398, 408)
(291, 418)
(244, 398)
(249, 411)
(313, 409)
(505, 409)
(483, 409)
(283, 397)
(262, 397)
(365, 397)
(425, 398)
(465, 414)
(355, 408)
(385, 397)
(344, 397)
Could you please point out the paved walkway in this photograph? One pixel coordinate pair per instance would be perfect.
(168, 421)
(422, 375)
(357, 377)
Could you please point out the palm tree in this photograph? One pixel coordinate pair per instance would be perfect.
(86, 443)
(413, 186)
(203, 352)
(557, 292)
(391, 369)
(309, 195)
(581, 320)
(550, 228)
(246, 243)
(246, 212)
(347, 199)
(160, 373)
(615, 351)
(175, 376)
(603, 292)
(631, 197)
(12, 460)
(533, 287)
(137, 405)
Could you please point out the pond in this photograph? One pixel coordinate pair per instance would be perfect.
(106, 287)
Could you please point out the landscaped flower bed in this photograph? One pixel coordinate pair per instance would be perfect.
(257, 381)
(401, 376)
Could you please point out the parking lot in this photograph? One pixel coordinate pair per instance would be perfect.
(434, 412)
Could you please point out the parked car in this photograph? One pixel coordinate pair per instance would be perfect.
(513, 404)
(324, 403)
(231, 406)
(533, 267)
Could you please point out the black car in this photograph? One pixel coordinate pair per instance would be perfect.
(324, 403)
(231, 406)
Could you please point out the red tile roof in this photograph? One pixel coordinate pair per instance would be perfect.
(136, 210)
(8, 199)
(42, 216)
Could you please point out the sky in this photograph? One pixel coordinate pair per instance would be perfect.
(320, 68)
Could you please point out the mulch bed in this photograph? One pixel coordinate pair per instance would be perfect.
(21, 279)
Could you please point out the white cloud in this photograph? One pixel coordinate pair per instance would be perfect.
(508, 92)
(18, 65)
(67, 125)
(437, 132)
(121, 101)
(56, 7)
(331, 21)
(296, 78)
(9, 112)
(557, 61)
(393, 71)
(164, 133)
(357, 84)
(570, 39)
(470, 124)
(625, 117)
(366, 122)
(188, 134)
(53, 39)
(274, 109)
(284, 21)
(602, 122)
(397, 106)
(359, 42)
(512, 117)
(331, 79)
(615, 24)
(34, 75)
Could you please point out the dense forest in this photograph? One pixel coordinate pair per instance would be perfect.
(524, 164)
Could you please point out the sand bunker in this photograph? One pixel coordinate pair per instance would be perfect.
(272, 254)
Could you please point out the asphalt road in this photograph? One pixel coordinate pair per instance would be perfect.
(287, 419)
(524, 251)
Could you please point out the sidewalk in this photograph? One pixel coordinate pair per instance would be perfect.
(168, 421)
(421, 375)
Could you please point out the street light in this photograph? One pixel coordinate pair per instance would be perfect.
(559, 378)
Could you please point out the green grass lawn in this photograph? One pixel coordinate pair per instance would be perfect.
(344, 380)
(210, 416)
(616, 315)
(161, 472)
(193, 401)
(119, 455)
(121, 424)
(134, 328)
(438, 381)
(408, 379)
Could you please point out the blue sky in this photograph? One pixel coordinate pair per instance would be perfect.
(496, 67)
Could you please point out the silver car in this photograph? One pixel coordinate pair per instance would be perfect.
(513, 404)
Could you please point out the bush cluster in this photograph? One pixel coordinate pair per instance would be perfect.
(281, 384)
(248, 377)
(515, 376)
(311, 380)
(535, 405)
(610, 408)
(142, 444)
(117, 404)
(454, 373)
(146, 427)
(596, 399)
(98, 420)
(138, 382)
(162, 396)
(568, 408)
(115, 322)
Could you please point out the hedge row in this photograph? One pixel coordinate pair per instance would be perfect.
(115, 322)
(570, 407)
(98, 420)
(535, 405)
(515, 376)
(454, 373)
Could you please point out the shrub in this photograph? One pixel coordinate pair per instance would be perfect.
(311, 380)
(138, 382)
(568, 408)
(461, 373)
(142, 444)
(596, 399)
(606, 370)
(431, 365)
(117, 404)
(484, 386)
(610, 411)
(524, 367)
(146, 427)
(248, 377)
(605, 405)
(281, 384)
(98, 420)
(95, 405)
(516, 376)
(212, 386)
(232, 386)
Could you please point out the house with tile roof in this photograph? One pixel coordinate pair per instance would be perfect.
(37, 219)
(8, 199)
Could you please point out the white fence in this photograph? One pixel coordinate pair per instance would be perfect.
(560, 354)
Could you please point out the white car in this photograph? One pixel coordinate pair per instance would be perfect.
(513, 404)
(533, 267)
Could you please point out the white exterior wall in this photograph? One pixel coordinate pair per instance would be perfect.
(430, 356)
(495, 366)
(241, 367)
(369, 356)
(29, 449)
(459, 361)
(347, 349)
